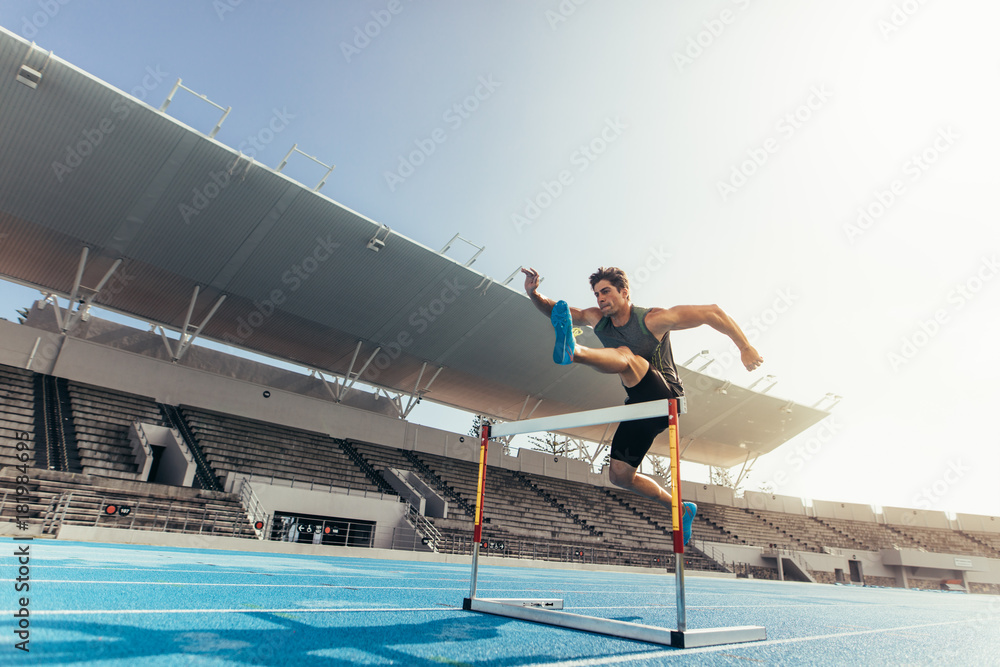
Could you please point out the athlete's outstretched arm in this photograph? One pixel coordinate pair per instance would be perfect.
(661, 320)
(589, 316)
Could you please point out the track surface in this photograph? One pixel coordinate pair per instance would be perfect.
(117, 605)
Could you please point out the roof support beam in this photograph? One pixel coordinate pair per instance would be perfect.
(745, 470)
(342, 389)
(418, 393)
(186, 339)
(84, 252)
(335, 395)
(73, 316)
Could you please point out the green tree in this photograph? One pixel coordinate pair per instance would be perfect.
(549, 444)
(661, 466)
(476, 430)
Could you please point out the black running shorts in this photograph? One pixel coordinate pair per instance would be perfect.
(634, 438)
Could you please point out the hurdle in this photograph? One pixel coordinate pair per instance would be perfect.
(549, 611)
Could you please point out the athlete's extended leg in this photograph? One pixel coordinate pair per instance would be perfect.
(619, 360)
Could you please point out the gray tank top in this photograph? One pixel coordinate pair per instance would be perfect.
(635, 336)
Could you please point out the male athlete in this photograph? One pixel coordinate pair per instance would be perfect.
(636, 347)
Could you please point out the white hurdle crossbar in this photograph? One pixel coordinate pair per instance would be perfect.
(588, 418)
(547, 611)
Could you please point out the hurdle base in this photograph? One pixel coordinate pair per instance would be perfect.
(539, 603)
(613, 628)
(717, 636)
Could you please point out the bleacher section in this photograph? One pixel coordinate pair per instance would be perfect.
(244, 446)
(988, 540)
(17, 412)
(873, 536)
(102, 418)
(941, 540)
(381, 458)
(808, 530)
(745, 527)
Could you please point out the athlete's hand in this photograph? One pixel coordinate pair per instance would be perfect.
(751, 358)
(531, 280)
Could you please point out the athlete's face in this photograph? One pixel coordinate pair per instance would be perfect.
(610, 299)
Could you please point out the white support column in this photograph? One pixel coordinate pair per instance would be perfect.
(187, 339)
(73, 316)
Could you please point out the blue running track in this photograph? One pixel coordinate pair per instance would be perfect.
(117, 605)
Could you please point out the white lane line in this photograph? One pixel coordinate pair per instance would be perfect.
(339, 586)
(244, 585)
(223, 571)
(367, 610)
(678, 652)
(762, 607)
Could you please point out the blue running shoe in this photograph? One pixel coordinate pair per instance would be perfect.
(690, 509)
(562, 321)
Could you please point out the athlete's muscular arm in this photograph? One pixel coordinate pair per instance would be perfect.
(588, 316)
(661, 320)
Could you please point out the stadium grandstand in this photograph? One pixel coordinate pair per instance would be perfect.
(141, 436)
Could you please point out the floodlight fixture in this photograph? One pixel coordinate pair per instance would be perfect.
(30, 75)
(375, 243)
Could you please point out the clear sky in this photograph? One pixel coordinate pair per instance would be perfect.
(825, 172)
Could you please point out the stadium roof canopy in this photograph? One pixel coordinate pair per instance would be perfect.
(105, 199)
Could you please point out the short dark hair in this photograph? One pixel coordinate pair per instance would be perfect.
(612, 274)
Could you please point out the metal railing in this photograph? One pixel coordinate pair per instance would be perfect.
(56, 513)
(710, 552)
(255, 510)
(166, 517)
(428, 533)
(519, 548)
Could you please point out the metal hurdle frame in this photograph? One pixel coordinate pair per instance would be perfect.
(547, 611)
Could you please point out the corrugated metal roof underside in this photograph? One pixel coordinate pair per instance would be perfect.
(82, 164)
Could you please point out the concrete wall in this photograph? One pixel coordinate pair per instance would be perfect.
(774, 503)
(17, 343)
(418, 493)
(177, 466)
(833, 510)
(707, 493)
(986, 524)
(899, 516)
